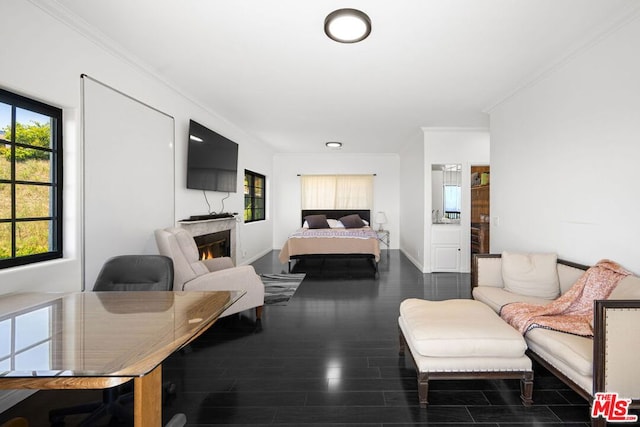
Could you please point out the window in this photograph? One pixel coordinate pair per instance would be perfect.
(30, 181)
(254, 196)
(337, 191)
(452, 201)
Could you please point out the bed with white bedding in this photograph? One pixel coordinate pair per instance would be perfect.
(343, 234)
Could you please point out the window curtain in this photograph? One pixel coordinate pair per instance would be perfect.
(336, 191)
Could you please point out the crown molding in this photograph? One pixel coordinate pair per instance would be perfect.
(454, 129)
(89, 32)
(61, 13)
(602, 32)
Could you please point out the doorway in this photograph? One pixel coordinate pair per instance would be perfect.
(480, 209)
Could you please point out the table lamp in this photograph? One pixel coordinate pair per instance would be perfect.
(381, 219)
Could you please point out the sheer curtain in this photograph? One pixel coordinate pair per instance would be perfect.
(337, 191)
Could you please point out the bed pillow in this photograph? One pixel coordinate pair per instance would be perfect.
(352, 221)
(533, 275)
(316, 221)
(334, 223)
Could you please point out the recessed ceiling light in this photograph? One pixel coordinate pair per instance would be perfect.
(334, 144)
(347, 25)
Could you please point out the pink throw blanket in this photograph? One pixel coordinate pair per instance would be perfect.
(573, 311)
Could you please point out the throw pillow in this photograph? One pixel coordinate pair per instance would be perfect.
(533, 275)
(352, 221)
(317, 221)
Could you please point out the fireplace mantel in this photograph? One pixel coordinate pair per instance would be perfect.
(206, 226)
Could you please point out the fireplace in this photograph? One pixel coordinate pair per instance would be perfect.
(214, 245)
(204, 228)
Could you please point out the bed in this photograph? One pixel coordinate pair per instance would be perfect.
(334, 243)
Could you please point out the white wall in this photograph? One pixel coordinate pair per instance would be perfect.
(564, 158)
(465, 146)
(47, 59)
(412, 199)
(286, 197)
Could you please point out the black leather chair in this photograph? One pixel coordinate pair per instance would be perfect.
(124, 273)
(136, 273)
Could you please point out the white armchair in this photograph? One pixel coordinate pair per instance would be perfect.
(191, 273)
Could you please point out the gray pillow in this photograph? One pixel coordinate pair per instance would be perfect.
(352, 221)
(317, 221)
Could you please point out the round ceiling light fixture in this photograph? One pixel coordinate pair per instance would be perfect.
(347, 25)
(334, 144)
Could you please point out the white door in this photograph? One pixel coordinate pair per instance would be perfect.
(445, 258)
(445, 248)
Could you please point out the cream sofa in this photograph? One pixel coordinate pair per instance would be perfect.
(606, 363)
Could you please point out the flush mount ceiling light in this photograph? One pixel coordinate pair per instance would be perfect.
(334, 144)
(347, 25)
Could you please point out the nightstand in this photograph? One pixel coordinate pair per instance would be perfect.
(384, 238)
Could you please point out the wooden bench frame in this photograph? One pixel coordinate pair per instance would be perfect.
(525, 377)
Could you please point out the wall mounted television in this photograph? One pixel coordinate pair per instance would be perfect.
(212, 160)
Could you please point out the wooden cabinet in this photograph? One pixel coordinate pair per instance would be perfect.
(480, 213)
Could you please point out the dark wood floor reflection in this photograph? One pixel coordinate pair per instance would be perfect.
(330, 359)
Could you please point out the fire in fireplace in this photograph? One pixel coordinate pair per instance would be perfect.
(214, 245)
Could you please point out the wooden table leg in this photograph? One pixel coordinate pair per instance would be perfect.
(147, 399)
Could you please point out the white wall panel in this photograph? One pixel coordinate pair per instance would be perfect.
(128, 176)
(413, 195)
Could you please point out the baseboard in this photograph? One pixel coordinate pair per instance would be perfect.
(414, 261)
(9, 398)
(255, 258)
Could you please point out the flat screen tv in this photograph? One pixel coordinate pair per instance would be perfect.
(212, 160)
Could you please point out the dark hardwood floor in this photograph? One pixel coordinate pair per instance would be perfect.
(330, 359)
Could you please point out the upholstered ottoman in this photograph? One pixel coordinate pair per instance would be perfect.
(462, 339)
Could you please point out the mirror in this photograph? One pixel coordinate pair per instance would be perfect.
(446, 193)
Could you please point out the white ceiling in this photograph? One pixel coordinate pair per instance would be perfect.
(267, 66)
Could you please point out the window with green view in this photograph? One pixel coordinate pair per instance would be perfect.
(30, 180)
(254, 196)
